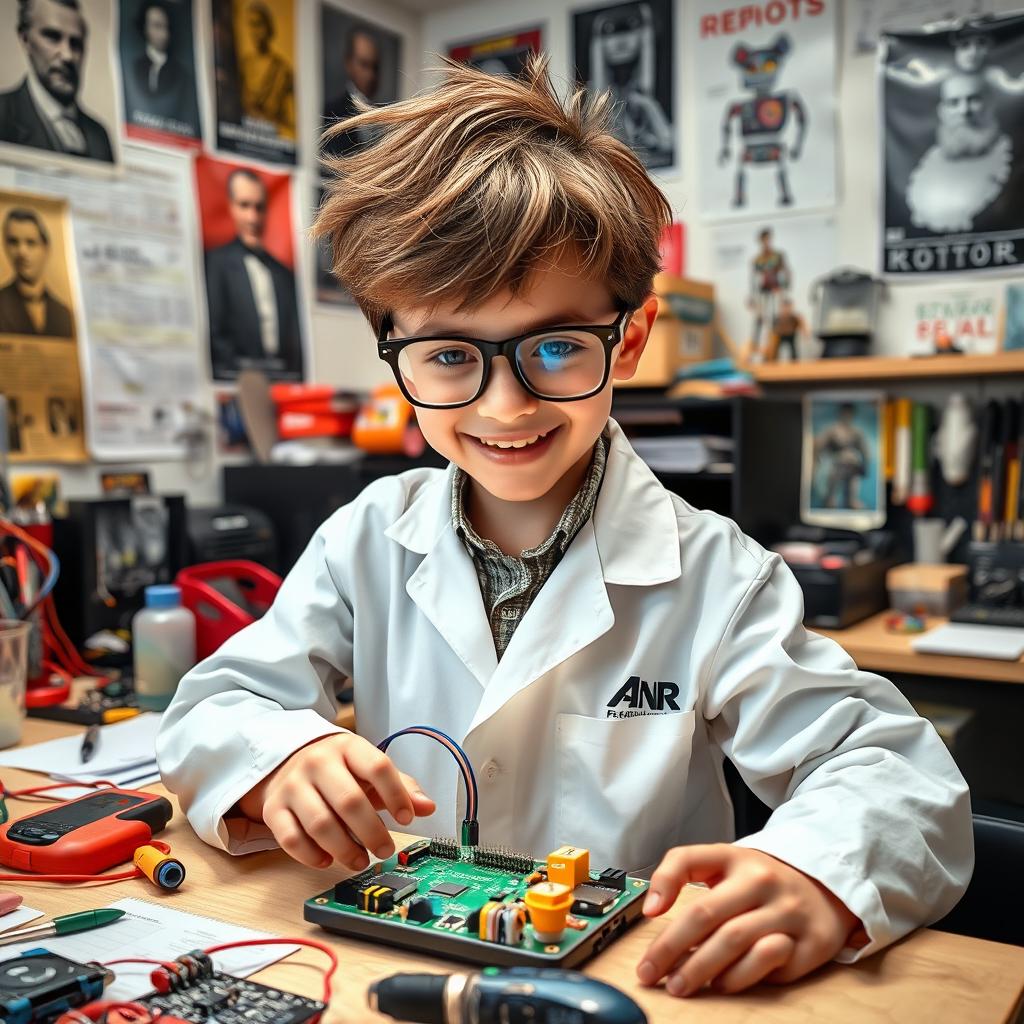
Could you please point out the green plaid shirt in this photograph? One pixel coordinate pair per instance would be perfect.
(509, 583)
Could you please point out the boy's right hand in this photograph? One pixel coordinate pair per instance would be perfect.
(322, 803)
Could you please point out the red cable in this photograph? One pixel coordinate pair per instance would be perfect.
(310, 943)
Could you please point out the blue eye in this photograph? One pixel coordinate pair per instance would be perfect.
(451, 357)
(551, 350)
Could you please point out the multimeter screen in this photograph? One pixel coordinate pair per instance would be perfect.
(84, 812)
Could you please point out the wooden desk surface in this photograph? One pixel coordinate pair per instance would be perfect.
(874, 648)
(929, 976)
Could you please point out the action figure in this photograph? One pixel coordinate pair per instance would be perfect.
(763, 118)
(769, 278)
(787, 325)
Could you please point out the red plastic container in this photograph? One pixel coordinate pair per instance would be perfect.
(218, 616)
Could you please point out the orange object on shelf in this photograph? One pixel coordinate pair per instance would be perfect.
(313, 410)
(386, 425)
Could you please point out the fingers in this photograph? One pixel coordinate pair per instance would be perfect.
(698, 863)
(697, 921)
(293, 839)
(768, 953)
(732, 941)
(368, 764)
(323, 827)
(353, 807)
(422, 805)
(813, 950)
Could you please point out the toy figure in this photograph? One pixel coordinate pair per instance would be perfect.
(763, 117)
(844, 442)
(788, 323)
(769, 278)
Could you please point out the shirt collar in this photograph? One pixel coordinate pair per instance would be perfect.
(156, 56)
(636, 522)
(50, 108)
(575, 514)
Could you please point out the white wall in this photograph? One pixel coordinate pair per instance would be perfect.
(858, 157)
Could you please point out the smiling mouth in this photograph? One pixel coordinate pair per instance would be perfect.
(522, 442)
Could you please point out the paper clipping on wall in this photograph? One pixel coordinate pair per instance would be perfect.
(38, 331)
(135, 243)
(952, 145)
(59, 88)
(766, 102)
(760, 266)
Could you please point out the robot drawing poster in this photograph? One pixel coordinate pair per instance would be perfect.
(628, 48)
(953, 149)
(766, 101)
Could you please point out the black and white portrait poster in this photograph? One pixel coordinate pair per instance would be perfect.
(503, 53)
(254, 78)
(630, 49)
(766, 106)
(953, 149)
(158, 68)
(360, 60)
(59, 94)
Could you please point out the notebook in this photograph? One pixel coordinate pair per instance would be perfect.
(959, 638)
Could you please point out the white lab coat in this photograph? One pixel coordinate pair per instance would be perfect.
(867, 798)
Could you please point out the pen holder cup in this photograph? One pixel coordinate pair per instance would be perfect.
(14, 642)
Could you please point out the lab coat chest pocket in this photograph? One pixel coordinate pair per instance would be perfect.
(621, 785)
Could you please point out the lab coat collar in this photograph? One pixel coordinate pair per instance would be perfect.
(635, 527)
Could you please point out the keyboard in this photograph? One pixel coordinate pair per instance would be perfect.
(982, 615)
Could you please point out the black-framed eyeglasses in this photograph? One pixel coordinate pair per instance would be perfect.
(556, 364)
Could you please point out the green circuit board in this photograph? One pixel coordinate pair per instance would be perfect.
(459, 887)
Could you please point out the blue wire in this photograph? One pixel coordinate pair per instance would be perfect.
(48, 584)
(465, 766)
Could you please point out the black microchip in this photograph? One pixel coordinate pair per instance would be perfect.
(402, 884)
(592, 900)
(613, 878)
(451, 921)
(449, 889)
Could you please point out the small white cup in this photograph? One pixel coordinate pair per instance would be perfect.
(13, 675)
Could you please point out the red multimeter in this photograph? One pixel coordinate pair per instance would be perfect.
(84, 836)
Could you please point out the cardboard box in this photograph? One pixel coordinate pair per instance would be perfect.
(681, 334)
(929, 589)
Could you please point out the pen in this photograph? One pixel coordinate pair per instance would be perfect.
(65, 925)
(90, 742)
(986, 459)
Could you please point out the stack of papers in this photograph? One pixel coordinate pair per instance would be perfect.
(125, 755)
(154, 932)
(685, 454)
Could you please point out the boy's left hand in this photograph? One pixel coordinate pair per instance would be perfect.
(762, 921)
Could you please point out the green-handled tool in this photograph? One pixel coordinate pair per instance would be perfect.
(64, 925)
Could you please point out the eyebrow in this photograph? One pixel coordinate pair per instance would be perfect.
(566, 318)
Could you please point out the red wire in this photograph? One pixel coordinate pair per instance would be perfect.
(310, 943)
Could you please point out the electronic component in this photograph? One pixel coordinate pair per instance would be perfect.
(346, 892)
(496, 997)
(592, 900)
(613, 878)
(38, 985)
(499, 922)
(548, 903)
(402, 885)
(422, 909)
(376, 899)
(443, 846)
(504, 859)
(575, 923)
(417, 851)
(451, 921)
(84, 836)
(448, 889)
(211, 996)
(159, 867)
(569, 865)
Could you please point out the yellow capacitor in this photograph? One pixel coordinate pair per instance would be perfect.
(549, 904)
(485, 912)
(569, 865)
(158, 867)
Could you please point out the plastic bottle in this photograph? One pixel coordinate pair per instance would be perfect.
(164, 646)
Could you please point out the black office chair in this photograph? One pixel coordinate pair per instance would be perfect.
(993, 906)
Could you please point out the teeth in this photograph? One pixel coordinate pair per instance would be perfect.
(513, 444)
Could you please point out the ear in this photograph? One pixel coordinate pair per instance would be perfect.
(634, 339)
(740, 53)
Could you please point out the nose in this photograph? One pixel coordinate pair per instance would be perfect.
(505, 400)
(65, 51)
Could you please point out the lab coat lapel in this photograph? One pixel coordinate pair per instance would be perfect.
(444, 586)
(570, 611)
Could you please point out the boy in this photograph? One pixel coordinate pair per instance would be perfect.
(596, 644)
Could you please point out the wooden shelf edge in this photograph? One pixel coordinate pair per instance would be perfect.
(889, 368)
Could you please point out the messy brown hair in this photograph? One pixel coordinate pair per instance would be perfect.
(468, 188)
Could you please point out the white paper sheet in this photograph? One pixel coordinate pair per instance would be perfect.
(160, 933)
(18, 919)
